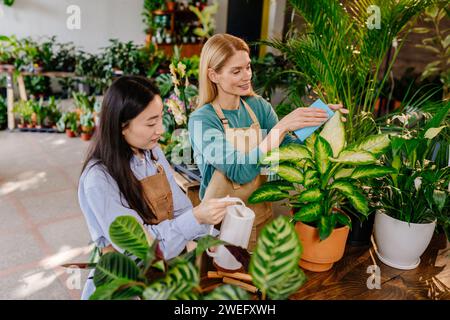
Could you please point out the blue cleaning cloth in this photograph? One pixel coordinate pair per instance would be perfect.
(304, 133)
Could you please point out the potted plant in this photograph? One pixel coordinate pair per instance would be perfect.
(87, 125)
(144, 274)
(206, 19)
(24, 110)
(40, 112)
(53, 113)
(3, 113)
(413, 200)
(184, 33)
(171, 5)
(319, 177)
(68, 123)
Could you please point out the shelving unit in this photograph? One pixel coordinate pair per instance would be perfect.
(174, 27)
(9, 71)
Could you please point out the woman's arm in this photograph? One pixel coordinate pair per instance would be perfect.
(103, 202)
(208, 139)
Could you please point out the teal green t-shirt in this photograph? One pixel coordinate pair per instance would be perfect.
(213, 152)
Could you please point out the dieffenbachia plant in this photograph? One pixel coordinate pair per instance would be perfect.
(322, 174)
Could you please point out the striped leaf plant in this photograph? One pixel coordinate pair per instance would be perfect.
(138, 270)
(324, 173)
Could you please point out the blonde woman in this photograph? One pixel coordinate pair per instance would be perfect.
(227, 129)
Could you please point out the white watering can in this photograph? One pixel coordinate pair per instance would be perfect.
(236, 229)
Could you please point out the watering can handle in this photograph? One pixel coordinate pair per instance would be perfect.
(232, 199)
(211, 230)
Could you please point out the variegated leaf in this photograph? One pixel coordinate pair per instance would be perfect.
(310, 195)
(276, 255)
(311, 178)
(288, 173)
(309, 212)
(356, 198)
(355, 158)
(343, 173)
(289, 152)
(375, 144)
(334, 133)
(371, 171)
(322, 154)
(267, 193)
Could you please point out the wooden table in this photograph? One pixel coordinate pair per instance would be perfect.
(348, 278)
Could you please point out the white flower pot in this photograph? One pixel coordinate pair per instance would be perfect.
(400, 244)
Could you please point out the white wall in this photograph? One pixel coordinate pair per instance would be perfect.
(100, 20)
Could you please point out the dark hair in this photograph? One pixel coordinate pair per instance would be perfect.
(124, 100)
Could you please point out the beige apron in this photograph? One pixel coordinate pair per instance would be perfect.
(243, 140)
(158, 196)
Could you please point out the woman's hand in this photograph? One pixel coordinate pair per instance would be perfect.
(301, 118)
(211, 211)
(339, 107)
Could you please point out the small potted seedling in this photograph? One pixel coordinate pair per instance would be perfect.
(87, 126)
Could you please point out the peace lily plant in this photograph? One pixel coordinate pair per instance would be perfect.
(140, 272)
(318, 178)
(414, 199)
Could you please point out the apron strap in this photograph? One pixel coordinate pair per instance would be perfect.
(221, 116)
(224, 120)
(250, 112)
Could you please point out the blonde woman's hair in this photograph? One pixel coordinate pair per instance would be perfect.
(215, 53)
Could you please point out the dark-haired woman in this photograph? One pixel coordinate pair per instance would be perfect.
(126, 173)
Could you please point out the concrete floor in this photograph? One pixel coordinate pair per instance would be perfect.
(41, 224)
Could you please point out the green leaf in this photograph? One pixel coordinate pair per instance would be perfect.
(106, 291)
(227, 292)
(309, 213)
(157, 291)
(115, 266)
(310, 195)
(322, 153)
(186, 296)
(267, 193)
(334, 133)
(280, 184)
(356, 198)
(439, 198)
(355, 158)
(371, 171)
(325, 227)
(343, 173)
(205, 243)
(311, 178)
(289, 152)
(127, 233)
(375, 144)
(288, 173)
(290, 285)
(438, 118)
(343, 219)
(181, 278)
(277, 253)
(310, 143)
(433, 132)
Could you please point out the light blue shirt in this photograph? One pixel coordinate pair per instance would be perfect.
(100, 202)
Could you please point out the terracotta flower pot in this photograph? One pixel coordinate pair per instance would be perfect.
(319, 255)
(86, 136)
(171, 5)
(70, 133)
